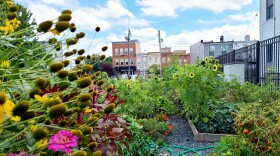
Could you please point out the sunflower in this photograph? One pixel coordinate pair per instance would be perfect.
(191, 74)
(215, 67)
(206, 59)
(6, 107)
(175, 76)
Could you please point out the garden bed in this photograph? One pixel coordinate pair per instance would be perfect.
(205, 137)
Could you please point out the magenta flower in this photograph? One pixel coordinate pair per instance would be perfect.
(64, 140)
(21, 153)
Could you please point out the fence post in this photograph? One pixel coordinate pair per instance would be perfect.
(258, 62)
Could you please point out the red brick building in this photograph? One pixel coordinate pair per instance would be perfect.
(177, 56)
(120, 56)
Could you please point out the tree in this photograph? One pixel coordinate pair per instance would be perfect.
(154, 69)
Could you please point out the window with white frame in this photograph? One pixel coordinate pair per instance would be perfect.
(211, 50)
(138, 61)
(269, 9)
(121, 51)
(131, 61)
(126, 61)
(126, 51)
(121, 61)
(116, 51)
(155, 60)
(185, 61)
(130, 50)
(150, 60)
(117, 62)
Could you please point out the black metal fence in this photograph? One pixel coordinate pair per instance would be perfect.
(261, 60)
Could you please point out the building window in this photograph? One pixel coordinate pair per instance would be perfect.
(185, 61)
(121, 61)
(126, 61)
(155, 60)
(269, 9)
(131, 61)
(211, 50)
(223, 49)
(121, 51)
(130, 50)
(269, 52)
(116, 51)
(164, 60)
(180, 61)
(126, 50)
(117, 62)
(168, 59)
(150, 60)
(144, 60)
(138, 61)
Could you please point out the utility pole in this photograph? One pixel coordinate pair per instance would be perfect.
(128, 40)
(160, 65)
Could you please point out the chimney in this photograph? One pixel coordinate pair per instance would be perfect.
(222, 38)
(247, 38)
(201, 41)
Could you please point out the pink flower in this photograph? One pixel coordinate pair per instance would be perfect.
(21, 153)
(64, 140)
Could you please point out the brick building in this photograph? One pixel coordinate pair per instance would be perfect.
(120, 56)
(177, 56)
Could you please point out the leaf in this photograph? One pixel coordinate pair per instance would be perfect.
(205, 120)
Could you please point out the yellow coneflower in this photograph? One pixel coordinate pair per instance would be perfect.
(215, 67)
(151, 70)
(206, 59)
(175, 76)
(6, 64)
(191, 74)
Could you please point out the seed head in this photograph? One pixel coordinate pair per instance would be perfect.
(92, 145)
(14, 8)
(104, 48)
(84, 104)
(109, 89)
(102, 57)
(98, 115)
(40, 133)
(11, 15)
(92, 119)
(55, 67)
(69, 53)
(97, 73)
(21, 108)
(84, 82)
(45, 26)
(87, 130)
(66, 12)
(77, 61)
(88, 67)
(66, 63)
(64, 17)
(53, 102)
(62, 123)
(80, 35)
(97, 29)
(84, 97)
(3, 98)
(62, 25)
(109, 108)
(100, 82)
(73, 28)
(81, 51)
(79, 153)
(41, 83)
(52, 40)
(74, 51)
(28, 115)
(63, 73)
(33, 92)
(78, 133)
(57, 111)
(97, 153)
(72, 76)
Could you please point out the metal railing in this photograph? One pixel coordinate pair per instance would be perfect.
(261, 60)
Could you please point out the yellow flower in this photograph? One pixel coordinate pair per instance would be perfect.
(6, 108)
(41, 98)
(215, 67)
(151, 70)
(175, 76)
(43, 143)
(206, 59)
(87, 109)
(55, 32)
(191, 74)
(5, 64)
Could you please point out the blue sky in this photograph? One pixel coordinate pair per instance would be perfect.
(181, 22)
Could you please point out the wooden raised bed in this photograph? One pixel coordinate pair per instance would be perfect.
(207, 137)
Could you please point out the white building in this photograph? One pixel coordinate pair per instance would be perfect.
(269, 19)
(142, 63)
(203, 49)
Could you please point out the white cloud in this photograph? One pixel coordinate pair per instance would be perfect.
(43, 12)
(169, 7)
(242, 17)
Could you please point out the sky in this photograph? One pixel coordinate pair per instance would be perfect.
(181, 22)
